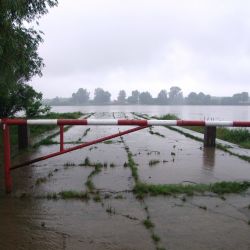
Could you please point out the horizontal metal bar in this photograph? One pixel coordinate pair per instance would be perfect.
(125, 122)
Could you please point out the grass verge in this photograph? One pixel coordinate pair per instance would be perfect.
(170, 189)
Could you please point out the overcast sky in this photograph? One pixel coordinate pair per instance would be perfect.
(146, 45)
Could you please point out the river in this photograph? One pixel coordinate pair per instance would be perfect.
(184, 112)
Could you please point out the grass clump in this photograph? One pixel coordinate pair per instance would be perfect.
(90, 185)
(148, 223)
(119, 197)
(86, 162)
(155, 133)
(155, 238)
(69, 164)
(71, 194)
(47, 141)
(229, 187)
(153, 162)
(52, 196)
(237, 136)
(112, 165)
(110, 210)
(97, 198)
(86, 132)
(41, 180)
(133, 167)
(108, 142)
(203, 207)
(167, 117)
(170, 189)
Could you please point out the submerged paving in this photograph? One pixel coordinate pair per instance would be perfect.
(107, 214)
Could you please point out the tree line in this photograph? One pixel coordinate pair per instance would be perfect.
(172, 97)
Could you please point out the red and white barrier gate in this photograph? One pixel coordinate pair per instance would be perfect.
(141, 124)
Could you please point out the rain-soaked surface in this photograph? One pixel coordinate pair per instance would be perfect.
(29, 220)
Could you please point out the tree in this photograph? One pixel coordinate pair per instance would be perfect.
(19, 59)
(134, 98)
(175, 95)
(80, 97)
(198, 99)
(162, 98)
(240, 98)
(31, 101)
(145, 98)
(122, 97)
(101, 96)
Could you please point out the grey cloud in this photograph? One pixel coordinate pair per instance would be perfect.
(147, 45)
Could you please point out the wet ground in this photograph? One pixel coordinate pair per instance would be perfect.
(112, 217)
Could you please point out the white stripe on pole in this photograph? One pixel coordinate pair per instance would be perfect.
(102, 121)
(162, 122)
(42, 122)
(219, 123)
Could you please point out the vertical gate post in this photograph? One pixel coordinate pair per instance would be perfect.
(23, 136)
(61, 138)
(209, 136)
(6, 148)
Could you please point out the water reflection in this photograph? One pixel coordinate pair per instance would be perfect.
(208, 158)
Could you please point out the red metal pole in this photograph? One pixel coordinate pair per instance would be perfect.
(6, 148)
(61, 138)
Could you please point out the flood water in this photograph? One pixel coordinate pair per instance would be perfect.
(183, 112)
(31, 221)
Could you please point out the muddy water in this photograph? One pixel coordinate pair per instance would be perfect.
(182, 159)
(116, 222)
(182, 111)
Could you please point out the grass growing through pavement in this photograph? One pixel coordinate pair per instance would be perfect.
(41, 180)
(169, 189)
(86, 132)
(69, 164)
(134, 171)
(89, 183)
(132, 165)
(108, 142)
(148, 223)
(155, 133)
(153, 162)
(71, 194)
